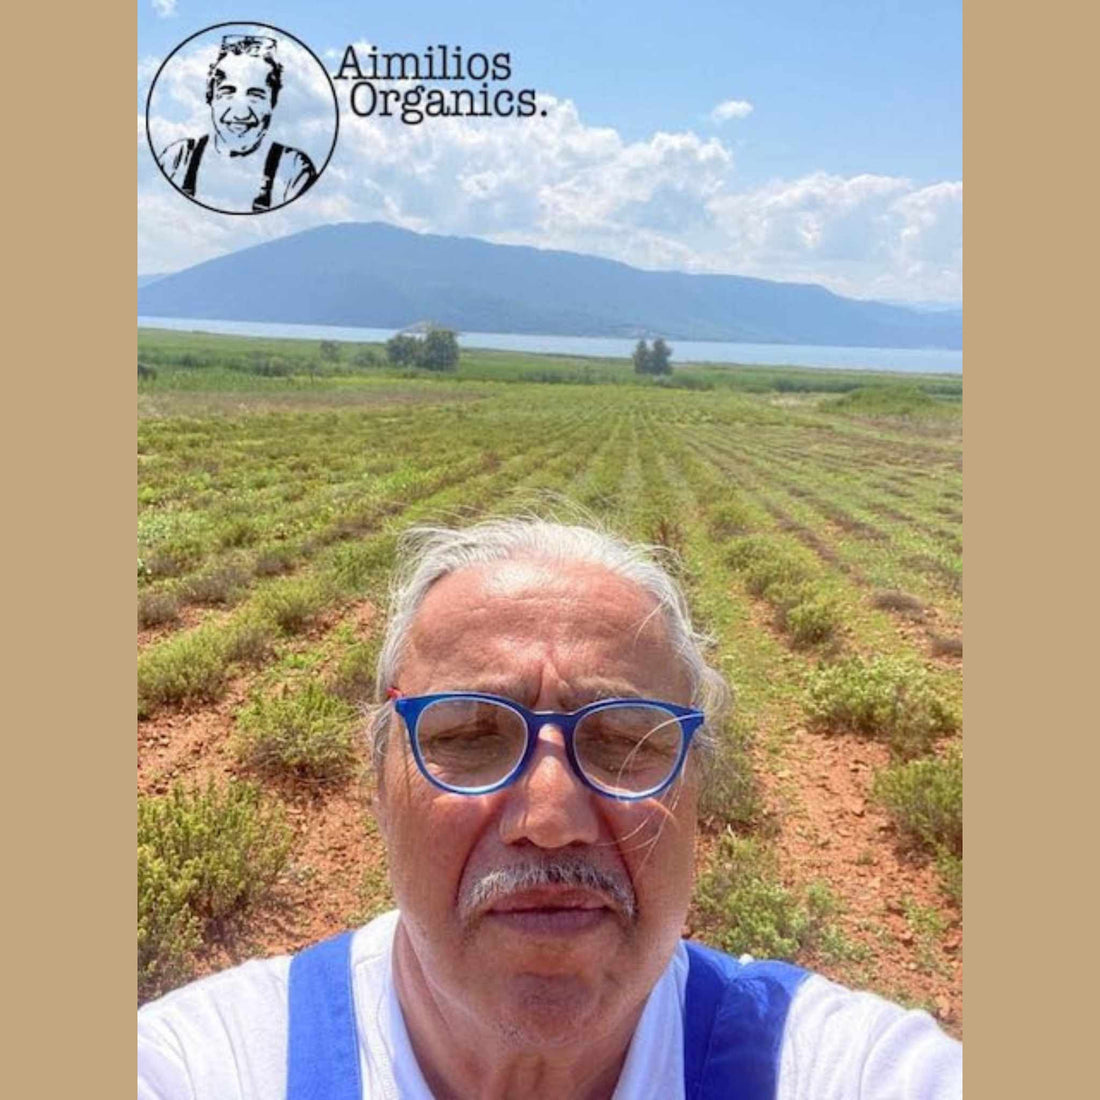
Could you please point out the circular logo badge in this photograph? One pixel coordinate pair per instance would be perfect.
(242, 118)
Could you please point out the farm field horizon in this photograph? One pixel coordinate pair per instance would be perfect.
(813, 516)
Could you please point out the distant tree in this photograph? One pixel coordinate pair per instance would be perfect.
(330, 350)
(659, 358)
(366, 357)
(641, 358)
(402, 350)
(438, 350)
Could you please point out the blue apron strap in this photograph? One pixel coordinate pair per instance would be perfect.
(323, 1043)
(734, 1015)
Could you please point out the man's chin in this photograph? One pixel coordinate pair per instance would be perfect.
(549, 1011)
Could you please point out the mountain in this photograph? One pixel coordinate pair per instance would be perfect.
(378, 276)
(143, 279)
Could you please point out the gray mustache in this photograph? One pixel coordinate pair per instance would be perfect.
(568, 871)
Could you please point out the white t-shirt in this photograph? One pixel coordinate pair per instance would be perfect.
(224, 1038)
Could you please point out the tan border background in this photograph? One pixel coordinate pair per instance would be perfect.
(70, 243)
(1030, 489)
(1030, 603)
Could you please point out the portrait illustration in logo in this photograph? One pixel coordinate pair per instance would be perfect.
(234, 160)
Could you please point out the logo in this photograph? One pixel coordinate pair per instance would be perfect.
(242, 118)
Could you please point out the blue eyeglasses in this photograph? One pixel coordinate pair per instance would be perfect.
(467, 742)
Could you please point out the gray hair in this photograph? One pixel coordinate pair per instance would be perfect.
(428, 554)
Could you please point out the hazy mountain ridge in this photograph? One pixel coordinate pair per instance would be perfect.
(375, 275)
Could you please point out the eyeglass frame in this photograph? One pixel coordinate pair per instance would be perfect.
(411, 707)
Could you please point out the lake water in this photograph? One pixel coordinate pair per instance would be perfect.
(925, 360)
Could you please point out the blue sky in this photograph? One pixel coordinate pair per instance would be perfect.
(839, 160)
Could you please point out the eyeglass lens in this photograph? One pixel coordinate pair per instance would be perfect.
(625, 749)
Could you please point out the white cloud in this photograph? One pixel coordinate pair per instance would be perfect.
(731, 108)
(164, 8)
(669, 201)
(869, 236)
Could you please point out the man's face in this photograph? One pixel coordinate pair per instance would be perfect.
(562, 963)
(241, 105)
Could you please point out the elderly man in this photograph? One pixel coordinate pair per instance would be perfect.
(538, 767)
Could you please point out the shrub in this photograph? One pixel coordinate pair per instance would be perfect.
(885, 698)
(157, 608)
(924, 797)
(168, 931)
(181, 669)
(355, 566)
(353, 679)
(926, 926)
(730, 791)
(729, 519)
(220, 585)
(747, 909)
(291, 604)
(950, 868)
(890, 599)
(273, 560)
(308, 734)
(747, 550)
(237, 532)
(766, 565)
(248, 639)
(204, 856)
(765, 575)
(810, 621)
(166, 563)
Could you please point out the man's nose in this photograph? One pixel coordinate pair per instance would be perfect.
(548, 805)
